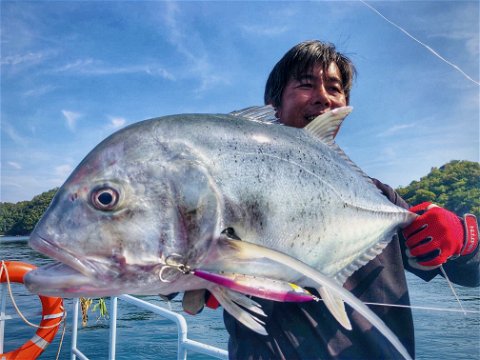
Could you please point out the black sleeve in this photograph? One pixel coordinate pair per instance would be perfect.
(464, 270)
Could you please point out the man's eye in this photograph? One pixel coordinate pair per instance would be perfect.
(336, 89)
(305, 85)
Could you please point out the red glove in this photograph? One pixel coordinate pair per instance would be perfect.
(437, 235)
(212, 301)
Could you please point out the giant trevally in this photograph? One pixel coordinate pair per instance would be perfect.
(164, 204)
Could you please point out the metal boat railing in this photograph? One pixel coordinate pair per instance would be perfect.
(3, 315)
(184, 343)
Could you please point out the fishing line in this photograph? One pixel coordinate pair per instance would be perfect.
(465, 312)
(451, 288)
(432, 308)
(421, 43)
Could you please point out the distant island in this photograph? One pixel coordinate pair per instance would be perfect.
(455, 186)
(20, 218)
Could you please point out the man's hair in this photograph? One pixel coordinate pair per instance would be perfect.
(302, 58)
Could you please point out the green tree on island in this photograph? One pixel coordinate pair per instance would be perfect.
(455, 186)
(20, 218)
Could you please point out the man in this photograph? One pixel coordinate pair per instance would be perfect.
(309, 80)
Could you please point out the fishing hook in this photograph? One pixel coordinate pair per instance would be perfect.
(171, 263)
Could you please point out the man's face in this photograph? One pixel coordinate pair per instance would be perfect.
(312, 94)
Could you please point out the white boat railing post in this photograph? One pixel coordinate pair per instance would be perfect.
(3, 315)
(184, 344)
(74, 352)
(76, 302)
(182, 338)
(113, 328)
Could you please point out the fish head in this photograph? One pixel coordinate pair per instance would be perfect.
(129, 219)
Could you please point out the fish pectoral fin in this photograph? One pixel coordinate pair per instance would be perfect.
(336, 306)
(231, 300)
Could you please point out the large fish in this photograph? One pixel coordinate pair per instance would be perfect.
(199, 201)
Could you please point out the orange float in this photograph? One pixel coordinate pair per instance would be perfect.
(52, 315)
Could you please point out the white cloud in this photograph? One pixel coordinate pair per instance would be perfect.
(23, 59)
(42, 90)
(25, 185)
(156, 70)
(117, 122)
(14, 165)
(62, 171)
(395, 129)
(71, 118)
(98, 68)
(12, 133)
(77, 65)
(263, 30)
(170, 18)
(275, 16)
(21, 62)
(456, 25)
(445, 25)
(189, 44)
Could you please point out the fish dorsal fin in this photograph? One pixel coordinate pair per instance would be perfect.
(262, 114)
(325, 127)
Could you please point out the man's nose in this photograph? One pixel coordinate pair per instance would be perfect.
(320, 96)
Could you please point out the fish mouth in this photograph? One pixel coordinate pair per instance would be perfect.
(71, 276)
(58, 279)
(42, 245)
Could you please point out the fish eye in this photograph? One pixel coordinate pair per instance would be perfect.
(104, 198)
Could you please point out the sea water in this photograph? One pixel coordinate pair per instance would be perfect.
(439, 334)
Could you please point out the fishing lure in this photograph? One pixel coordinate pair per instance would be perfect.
(261, 287)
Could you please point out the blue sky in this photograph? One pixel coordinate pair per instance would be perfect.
(72, 72)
